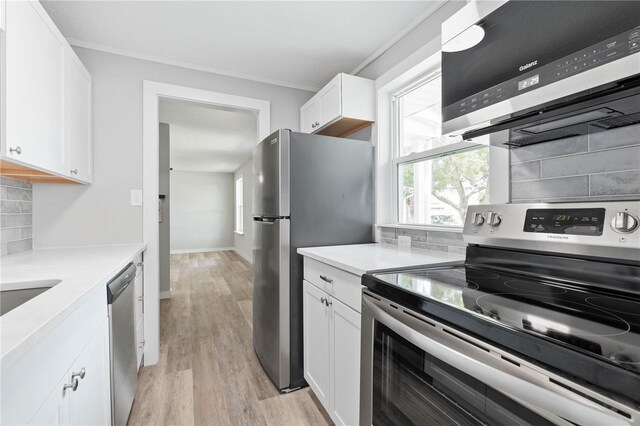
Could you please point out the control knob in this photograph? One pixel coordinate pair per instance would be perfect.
(477, 219)
(624, 223)
(494, 219)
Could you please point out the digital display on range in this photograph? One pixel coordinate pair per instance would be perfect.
(567, 221)
(528, 82)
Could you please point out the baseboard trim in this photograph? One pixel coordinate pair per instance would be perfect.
(202, 250)
(243, 255)
(165, 294)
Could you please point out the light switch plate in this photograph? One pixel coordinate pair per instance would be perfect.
(404, 241)
(136, 197)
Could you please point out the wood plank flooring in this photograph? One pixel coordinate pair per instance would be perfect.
(208, 373)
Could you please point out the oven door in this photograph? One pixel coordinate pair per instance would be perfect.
(415, 371)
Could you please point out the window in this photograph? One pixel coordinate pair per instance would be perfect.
(436, 177)
(239, 207)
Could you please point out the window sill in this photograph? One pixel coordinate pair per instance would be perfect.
(421, 227)
(238, 232)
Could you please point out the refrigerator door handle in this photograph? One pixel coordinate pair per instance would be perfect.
(265, 220)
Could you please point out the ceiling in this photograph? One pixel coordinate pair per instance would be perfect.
(208, 139)
(299, 44)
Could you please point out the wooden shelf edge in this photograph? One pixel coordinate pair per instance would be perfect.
(344, 127)
(27, 174)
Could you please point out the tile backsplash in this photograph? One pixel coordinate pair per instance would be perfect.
(16, 233)
(600, 166)
(444, 241)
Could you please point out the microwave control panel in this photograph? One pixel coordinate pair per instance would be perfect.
(625, 44)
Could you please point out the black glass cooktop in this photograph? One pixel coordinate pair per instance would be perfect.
(597, 324)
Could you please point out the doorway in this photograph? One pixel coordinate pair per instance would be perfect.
(204, 182)
(155, 94)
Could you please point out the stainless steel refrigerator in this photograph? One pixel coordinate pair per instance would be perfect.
(309, 190)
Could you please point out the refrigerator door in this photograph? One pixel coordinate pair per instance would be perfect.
(271, 298)
(271, 176)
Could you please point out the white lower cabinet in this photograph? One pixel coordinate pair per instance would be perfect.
(82, 397)
(332, 339)
(316, 342)
(345, 372)
(37, 388)
(55, 410)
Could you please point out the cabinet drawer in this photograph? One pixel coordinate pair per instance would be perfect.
(342, 285)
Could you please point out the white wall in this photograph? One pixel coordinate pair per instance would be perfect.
(243, 244)
(73, 215)
(201, 211)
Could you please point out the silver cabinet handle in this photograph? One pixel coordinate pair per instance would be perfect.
(81, 374)
(73, 385)
(323, 300)
(17, 150)
(326, 279)
(74, 171)
(326, 301)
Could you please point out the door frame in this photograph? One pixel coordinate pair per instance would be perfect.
(152, 93)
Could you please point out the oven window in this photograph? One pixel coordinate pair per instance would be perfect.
(410, 387)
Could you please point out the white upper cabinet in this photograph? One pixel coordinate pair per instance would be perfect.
(46, 104)
(343, 106)
(35, 88)
(79, 159)
(310, 116)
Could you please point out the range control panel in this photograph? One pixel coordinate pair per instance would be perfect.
(627, 43)
(565, 221)
(609, 229)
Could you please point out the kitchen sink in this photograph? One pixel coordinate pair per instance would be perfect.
(15, 294)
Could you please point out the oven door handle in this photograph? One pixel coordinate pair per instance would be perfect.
(559, 408)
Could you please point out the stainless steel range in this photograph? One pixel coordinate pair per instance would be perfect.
(540, 325)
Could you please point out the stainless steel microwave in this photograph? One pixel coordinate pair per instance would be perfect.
(540, 70)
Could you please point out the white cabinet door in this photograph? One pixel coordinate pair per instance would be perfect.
(345, 365)
(78, 119)
(90, 404)
(316, 342)
(35, 82)
(55, 410)
(331, 101)
(310, 115)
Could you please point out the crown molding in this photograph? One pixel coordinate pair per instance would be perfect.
(396, 38)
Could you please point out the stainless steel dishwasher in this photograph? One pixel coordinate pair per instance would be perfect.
(124, 372)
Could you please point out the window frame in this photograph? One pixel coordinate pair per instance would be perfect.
(239, 206)
(397, 160)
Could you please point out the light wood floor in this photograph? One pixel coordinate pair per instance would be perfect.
(208, 372)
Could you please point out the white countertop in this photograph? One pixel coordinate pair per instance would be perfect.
(359, 259)
(81, 270)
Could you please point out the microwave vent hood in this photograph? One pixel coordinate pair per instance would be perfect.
(594, 112)
(540, 71)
